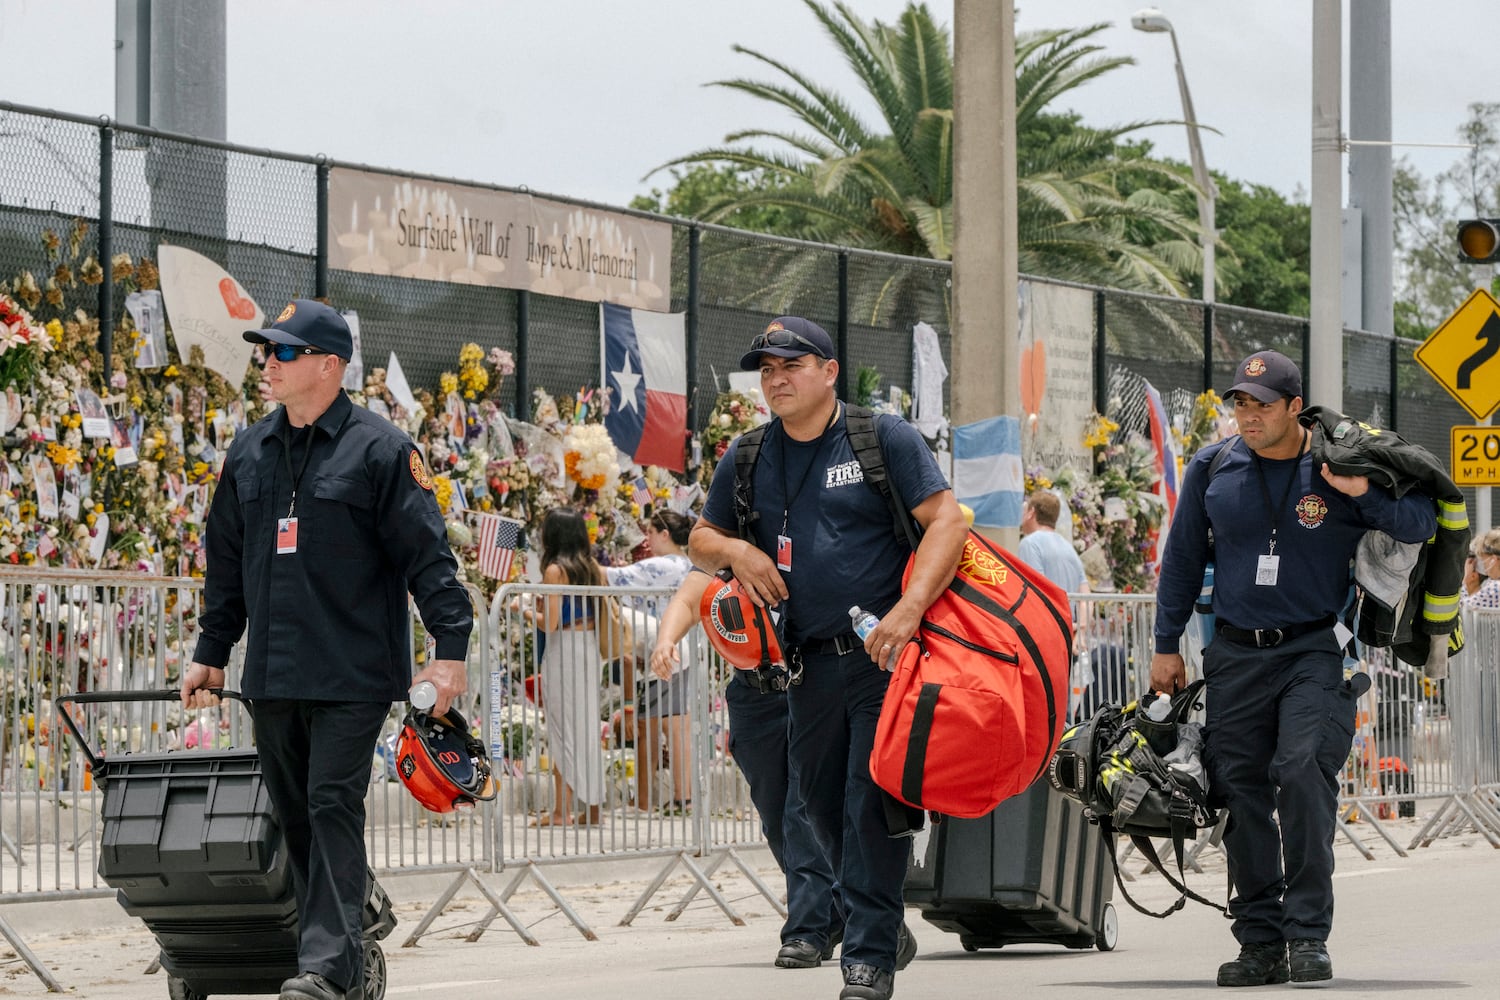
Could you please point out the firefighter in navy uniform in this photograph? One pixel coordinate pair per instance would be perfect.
(323, 521)
(1280, 713)
(824, 540)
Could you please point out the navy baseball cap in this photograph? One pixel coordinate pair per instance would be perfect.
(788, 337)
(1267, 376)
(305, 323)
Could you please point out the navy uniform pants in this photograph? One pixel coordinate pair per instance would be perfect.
(758, 738)
(1280, 724)
(834, 711)
(315, 758)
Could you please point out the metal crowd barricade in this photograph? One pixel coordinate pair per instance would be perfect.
(63, 632)
(1466, 736)
(656, 750)
(1417, 740)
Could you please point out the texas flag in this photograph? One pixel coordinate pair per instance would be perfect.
(644, 360)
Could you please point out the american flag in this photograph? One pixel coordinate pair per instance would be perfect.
(498, 540)
(640, 493)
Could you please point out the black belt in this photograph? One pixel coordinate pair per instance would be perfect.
(842, 645)
(1265, 638)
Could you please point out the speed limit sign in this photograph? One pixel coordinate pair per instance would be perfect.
(1476, 456)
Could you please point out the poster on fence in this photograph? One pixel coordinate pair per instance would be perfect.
(1057, 374)
(439, 231)
(208, 309)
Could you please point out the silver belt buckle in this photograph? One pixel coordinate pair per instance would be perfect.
(1263, 638)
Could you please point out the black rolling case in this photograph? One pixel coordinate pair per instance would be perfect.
(1033, 870)
(191, 843)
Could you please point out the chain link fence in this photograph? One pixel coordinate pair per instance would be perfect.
(262, 216)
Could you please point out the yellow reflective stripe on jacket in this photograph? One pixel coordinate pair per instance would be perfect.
(1452, 516)
(1439, 607)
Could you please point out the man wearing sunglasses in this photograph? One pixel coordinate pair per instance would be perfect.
(820, 540)
(323, 521)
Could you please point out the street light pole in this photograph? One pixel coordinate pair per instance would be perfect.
(1151, 19)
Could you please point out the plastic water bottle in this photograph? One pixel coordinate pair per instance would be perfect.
(423, 696)
(864, 623)
(1160, 708)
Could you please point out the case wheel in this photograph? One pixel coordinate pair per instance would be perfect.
(179, 990)
(374, 972)
(1109, 929)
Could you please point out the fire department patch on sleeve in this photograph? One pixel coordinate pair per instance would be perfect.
(419, 472)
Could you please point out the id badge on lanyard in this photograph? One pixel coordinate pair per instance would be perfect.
(286, 536)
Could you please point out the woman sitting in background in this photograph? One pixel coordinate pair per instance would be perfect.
(1482, 572)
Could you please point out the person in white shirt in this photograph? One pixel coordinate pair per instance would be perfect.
(662, 721)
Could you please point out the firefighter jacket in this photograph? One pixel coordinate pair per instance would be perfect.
(1434, 579)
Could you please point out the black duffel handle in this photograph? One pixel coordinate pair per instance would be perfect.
(97, 697)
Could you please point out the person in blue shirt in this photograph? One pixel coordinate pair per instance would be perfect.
(1044, 548)
(1280, 712)
(823, 540)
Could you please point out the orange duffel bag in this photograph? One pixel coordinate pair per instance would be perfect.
(978, 698)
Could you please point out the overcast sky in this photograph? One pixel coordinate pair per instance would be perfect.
(583, 97)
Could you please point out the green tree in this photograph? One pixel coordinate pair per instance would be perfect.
(891, 187)
(1430, 279)
(1269, 244)
(699, 188)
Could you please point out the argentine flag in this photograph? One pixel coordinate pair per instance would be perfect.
(987, 473)
(643, 357)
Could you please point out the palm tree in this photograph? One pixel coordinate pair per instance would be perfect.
(891, 188)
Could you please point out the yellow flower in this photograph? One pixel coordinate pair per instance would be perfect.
(62, 455)
(447, 382)
(55, 331)
(171, 371)
(442, 489)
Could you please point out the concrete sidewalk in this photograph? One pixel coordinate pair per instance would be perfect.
(1421, 926)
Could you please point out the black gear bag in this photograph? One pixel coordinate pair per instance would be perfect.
(1142, 778)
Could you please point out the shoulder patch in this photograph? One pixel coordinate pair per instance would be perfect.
(419, 472)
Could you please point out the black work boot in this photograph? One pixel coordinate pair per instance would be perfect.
(310, 986)
(799, 954)
(865, 982)
(1258, 965)
(1309, 962)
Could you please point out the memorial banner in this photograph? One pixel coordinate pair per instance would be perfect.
(438, 231)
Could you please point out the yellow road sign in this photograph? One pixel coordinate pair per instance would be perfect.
(1476, 456)
(1464, 354)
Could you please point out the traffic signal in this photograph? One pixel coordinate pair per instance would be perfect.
(1479, 241)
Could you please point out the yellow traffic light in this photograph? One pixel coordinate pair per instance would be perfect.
(1479, 240)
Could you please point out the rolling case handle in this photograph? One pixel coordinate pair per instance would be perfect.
(94, 697)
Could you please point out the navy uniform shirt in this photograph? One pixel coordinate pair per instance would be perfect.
(328, 621)
(1318, 529)
(844, 545)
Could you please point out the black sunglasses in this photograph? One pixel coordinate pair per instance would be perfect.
(289, 352)
(784, 338)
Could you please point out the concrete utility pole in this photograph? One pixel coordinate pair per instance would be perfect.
(1324, 382)
(1370, 176)
(175, 52)
(986, 320)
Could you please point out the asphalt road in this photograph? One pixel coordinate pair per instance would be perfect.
(1420, 926)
